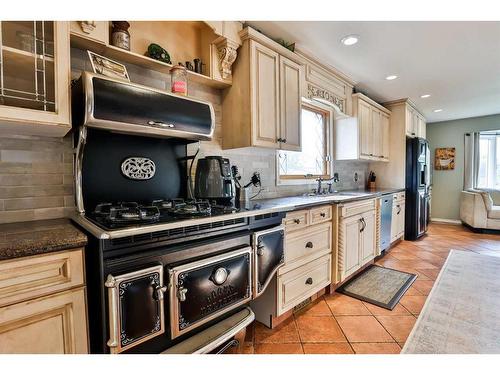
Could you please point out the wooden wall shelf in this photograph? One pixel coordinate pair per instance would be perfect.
(129, 57)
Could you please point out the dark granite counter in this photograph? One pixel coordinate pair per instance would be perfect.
(38, 237)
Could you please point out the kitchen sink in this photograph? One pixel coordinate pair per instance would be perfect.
(353, 193)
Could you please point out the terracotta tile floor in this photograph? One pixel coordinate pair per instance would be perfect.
(338, 324)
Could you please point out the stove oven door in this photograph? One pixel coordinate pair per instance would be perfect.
(269, 256)
(136, 312)
(202, 290)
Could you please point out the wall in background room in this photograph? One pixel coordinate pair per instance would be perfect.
(36, 173)
(447, 185)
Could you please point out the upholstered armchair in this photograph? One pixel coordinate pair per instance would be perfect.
(480, 209)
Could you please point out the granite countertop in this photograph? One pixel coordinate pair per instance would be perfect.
(38, 237)
(255, 207)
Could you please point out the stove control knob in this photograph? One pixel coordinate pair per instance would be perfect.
(181, 293)
(219, 276)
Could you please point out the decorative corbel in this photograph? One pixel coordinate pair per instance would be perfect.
(227, 53)
(87, 26)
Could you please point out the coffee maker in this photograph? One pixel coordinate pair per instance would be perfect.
(214, 180)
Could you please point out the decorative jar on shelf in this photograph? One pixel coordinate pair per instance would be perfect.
(120, 37)
(179, 77)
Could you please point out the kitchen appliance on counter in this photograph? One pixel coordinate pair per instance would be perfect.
(155, 287)
(418, 171)
(385, 221)
(214, 180)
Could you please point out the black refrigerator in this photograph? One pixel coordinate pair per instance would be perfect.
(418, 166)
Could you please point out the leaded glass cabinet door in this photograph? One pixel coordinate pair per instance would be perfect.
(34, 77)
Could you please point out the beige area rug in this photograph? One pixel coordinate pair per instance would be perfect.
(462, 313)
(379, 286)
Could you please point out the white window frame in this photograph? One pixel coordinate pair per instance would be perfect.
(492, 151)
(329, 138)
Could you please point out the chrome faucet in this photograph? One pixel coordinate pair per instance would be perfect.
(319, 189)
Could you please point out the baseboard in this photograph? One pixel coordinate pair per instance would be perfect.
(445, 221)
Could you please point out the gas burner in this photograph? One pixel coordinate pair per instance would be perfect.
(181, 207)
(127, 212)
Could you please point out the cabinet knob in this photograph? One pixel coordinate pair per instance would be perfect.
(322, 214)
(296, 221)
(279, 140)
(309, 281)
(260, 250)
(309, 245)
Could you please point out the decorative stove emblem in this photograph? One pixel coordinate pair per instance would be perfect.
(138, 168)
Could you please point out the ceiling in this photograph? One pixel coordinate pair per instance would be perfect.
(457, 63)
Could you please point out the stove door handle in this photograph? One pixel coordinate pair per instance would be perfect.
(160, 292)
(181, 293)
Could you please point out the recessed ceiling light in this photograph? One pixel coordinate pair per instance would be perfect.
(349, 40)
(438, 110)
(425, 96)
(390, 78)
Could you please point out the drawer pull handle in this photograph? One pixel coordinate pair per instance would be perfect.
(296, 221)
(309, 281)
(309, 245)
(322, 214)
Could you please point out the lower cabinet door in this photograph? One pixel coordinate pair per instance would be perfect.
(301, 283)
(55, 324)
(401, 220)
(349, 245)
(368, 238)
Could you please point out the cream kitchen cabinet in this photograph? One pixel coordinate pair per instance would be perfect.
(35, 83)
(263, 106)
(366, 135)
(357, 236)
(43, 305)
(308, 264)
(404, 120)
(415, 123)
(97, 31)
(398, 217)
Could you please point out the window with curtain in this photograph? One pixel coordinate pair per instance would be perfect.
(488, 172)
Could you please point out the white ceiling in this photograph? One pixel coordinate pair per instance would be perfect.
(458, 63)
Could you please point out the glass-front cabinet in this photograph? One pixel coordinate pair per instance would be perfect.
(34, 77)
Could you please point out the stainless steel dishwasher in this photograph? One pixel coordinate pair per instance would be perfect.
(385, 222)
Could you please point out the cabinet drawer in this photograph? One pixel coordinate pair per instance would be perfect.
(321, 214)
(308, 242)
(31, 277)
(301, 283)
(399, 196)
(296, 220)
(358, 207)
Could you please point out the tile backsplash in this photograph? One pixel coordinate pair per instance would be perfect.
(36, 173)
(36, 178)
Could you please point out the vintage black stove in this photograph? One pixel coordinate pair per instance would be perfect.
(161, 268)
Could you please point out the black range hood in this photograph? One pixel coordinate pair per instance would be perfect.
(112, 104)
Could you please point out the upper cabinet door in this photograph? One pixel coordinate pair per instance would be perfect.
(35, 74)
(385, 130)
(421, 127)
(376, 134)
(365, 125)
(410, 132)
(291, 79)
(265, 96)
